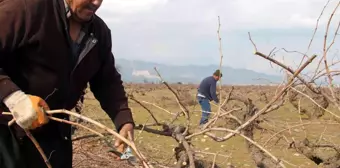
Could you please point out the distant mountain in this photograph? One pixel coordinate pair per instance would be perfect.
(140, 71)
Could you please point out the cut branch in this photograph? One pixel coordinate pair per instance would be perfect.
(129, 143)
(36, 144)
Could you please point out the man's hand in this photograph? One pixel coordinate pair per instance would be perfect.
(124, 131)
(27, 110)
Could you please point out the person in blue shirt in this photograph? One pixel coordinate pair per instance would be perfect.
(206, 93)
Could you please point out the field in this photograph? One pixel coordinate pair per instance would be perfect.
(296, 132)
(294, 124)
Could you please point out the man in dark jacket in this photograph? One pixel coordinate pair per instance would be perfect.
(49, 51)
(207, 93)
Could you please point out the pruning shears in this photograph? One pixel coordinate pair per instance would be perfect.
(126, 155)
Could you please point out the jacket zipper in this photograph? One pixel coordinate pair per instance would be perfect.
(90, 43)
(87, 48)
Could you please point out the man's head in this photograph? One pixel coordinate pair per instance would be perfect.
(83, 10)
(217, 74)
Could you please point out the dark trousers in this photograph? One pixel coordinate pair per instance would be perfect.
(21, 153)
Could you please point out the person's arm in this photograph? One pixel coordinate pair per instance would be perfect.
(213, 92)
(26, 109)
(108, 89)
(12, 34)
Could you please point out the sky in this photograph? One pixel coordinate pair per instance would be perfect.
(182, 32)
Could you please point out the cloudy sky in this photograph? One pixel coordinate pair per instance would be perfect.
(184, 32)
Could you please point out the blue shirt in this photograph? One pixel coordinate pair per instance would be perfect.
(207, 88)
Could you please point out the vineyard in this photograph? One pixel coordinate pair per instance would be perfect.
(294, 123)
(295, 132)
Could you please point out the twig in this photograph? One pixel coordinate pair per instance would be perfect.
(299, 105)
(155, 105)
(248, 139)
(154, 131)
(10, 123)
(218, 115)
(311, 99)
(210, 153)
(183, 108)
(315, 29)
(76, 124)
(221, 115)
(317, 25)
(334, 73)
(214, 161)
(144, 125)
(148, 110)
(132, 145)
(249, 36)
(264, 150)
(189, 153)
(330, 79)
(89, 129)
(220, 68)
(269, 105)
(286, 68)
(298, 125)
(34, 141)
(36, 144)
(325, 49)
(321, 135)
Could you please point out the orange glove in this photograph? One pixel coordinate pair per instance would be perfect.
(27, 110)
(40, 106)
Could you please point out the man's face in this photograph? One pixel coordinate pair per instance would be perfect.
(84, 9)
(216, 77)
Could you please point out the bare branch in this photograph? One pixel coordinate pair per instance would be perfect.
(149, 111)
(184, 109)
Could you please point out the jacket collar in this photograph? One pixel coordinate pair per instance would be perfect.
(67, 9)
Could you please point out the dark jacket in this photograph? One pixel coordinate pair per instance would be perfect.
(207, 88)
(36, 57)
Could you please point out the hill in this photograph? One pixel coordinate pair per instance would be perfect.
(141, 71)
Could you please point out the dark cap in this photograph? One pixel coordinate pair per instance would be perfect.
(217, 73)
